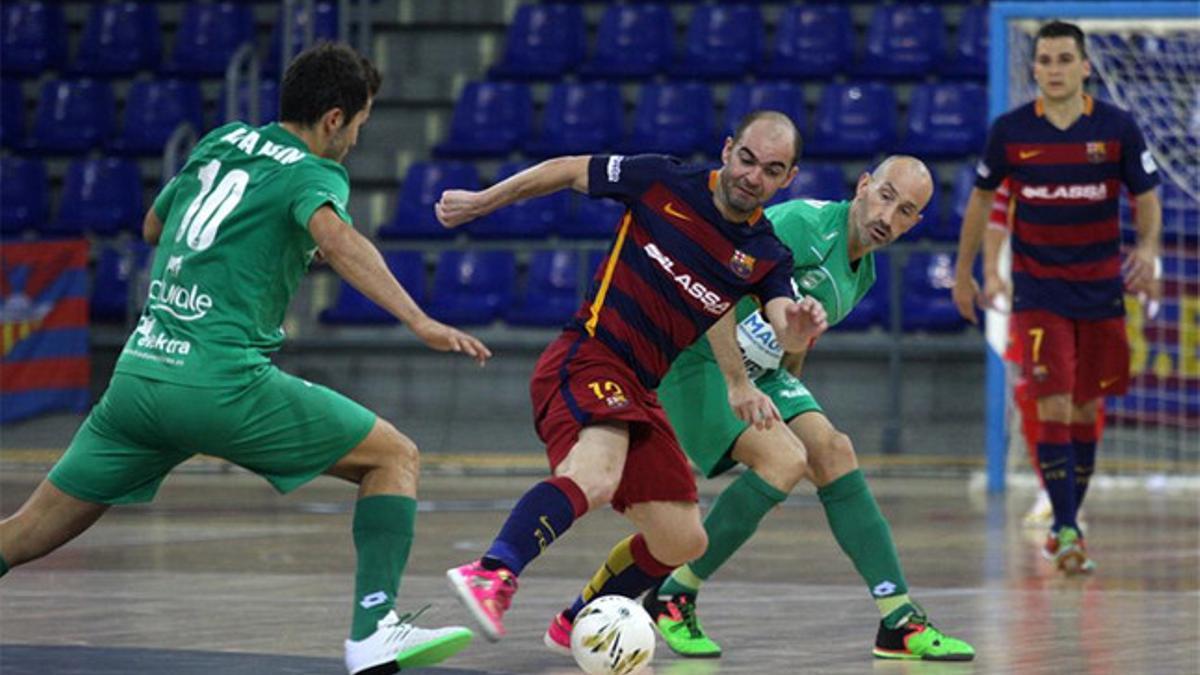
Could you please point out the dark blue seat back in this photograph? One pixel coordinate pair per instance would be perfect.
(324, 21)
(593, 219)
(632, 41)
(723, 41)
(903, 41)
(579, 119)
(119, 38)
(423, 186)
(472, 287)
(810, 41)
(946, 120)
(815, 180)
(854, 120)
(543, 41)
(12, 114)
(153, 109)
(208, 36)
(101, 195)
(968, 56)
(117, 267)
(33, 37)
(551, 291)
(927, 304)
(674, 118)
(531, 218)
(353, 308)
(24, 195)
(73, 115)
(268, 103)
(784, 97)
(491, 119)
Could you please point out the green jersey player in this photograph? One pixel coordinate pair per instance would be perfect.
(721, 400)
(236, 230)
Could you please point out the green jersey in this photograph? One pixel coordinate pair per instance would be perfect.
(817, 233)
(234, 246)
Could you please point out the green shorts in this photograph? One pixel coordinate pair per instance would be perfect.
(281, 427)
(697, 403)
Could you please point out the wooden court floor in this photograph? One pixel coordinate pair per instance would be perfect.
(220, 575)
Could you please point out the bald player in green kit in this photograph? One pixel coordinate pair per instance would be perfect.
(723, 393)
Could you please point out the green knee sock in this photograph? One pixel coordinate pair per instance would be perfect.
(863, 533)
(733, 518)
(383, 534)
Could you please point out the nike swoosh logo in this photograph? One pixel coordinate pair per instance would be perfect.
(1026, 154)
(670, 209)
(1105, 384)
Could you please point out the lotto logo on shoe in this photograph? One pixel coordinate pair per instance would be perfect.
(713, 303)
(373, 600)
(181, 302)
(883, 589)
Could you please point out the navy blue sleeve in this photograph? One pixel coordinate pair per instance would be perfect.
(1138, 170)
(626, 178)
(993, 168)
(778, 282)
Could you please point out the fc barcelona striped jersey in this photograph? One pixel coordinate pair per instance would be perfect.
(676, 265)
(1065, 185)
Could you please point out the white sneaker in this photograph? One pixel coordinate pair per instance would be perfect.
(397, 643)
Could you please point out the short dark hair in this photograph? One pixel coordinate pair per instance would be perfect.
(756, 115)
(325, 76)
(1061, 29)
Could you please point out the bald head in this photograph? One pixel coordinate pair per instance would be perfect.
(910, 176)
(773, 126)
(888, 202)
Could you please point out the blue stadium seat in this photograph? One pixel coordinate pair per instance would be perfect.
(946, 120)
(785, 97)
(968, 56)
(119, 38)
(153, 109)
(208, 36)
(874, 307)
(815, 180)
(532, 218)
(102, 196)
(633, 41)
(423, 186)
(594, 259)
(33, 37)
(551, 292)
(810, 41)
(903, 41)
(268, 103)
(544, 41)
(472, 288)
(928, 280)
(324, 20)
(72, 116)
(934, 223)
(594, 219)
(723, 41)
(853, 120)
(1180, 212)
(116, 268)
(491, 119)
(674, 118)
(12, 114)
(579, 119)
(964, 182)
(24, 195)
(355, 309)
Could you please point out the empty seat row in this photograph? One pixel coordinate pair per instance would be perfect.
(76, 115)
(494, 119)
(122, 38)
(102, 196)
(728, 40)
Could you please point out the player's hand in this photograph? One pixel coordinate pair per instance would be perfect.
(752, 406)
(443, 338)
(806, 319)
(966, 296)
(1142, 270)
(457, 207)
(996, 294)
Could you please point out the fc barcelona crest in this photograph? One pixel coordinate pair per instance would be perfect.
(1096, 152)
(741, 264)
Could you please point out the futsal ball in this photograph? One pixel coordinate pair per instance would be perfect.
(613, 635)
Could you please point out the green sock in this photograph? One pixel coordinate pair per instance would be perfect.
(863, 533)
(732, 520)
(3, 566)
(383, 534)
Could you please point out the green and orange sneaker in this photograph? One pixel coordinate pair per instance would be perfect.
(907, 634)
(675, 617)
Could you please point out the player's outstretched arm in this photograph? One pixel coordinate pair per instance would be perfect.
(456, 207)
(751, 405)
(357, 260)
(796, 323)
(152, 227)
(966, 290)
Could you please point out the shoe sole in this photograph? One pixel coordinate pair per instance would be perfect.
(1072, 562)
(908, 656)
(435, 651)
(554, 646)
(467, 598)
